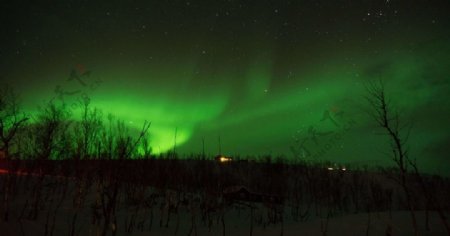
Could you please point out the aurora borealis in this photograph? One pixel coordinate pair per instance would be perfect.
(257, 74)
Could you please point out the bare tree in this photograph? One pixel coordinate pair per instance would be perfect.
(52, 122)
(90, 126)
(387, 117)
(48, 133)
(11, 118)
(110, 185)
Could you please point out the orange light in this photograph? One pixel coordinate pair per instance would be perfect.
(224, 159)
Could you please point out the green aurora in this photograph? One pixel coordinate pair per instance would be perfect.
(257, 75)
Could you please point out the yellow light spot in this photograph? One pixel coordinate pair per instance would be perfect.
(225, 159)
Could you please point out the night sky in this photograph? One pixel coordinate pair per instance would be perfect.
(267, 77)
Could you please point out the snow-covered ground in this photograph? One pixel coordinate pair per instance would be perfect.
(49, 206)
(237, 221)
(355, 224)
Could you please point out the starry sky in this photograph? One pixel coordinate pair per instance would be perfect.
(267, 77)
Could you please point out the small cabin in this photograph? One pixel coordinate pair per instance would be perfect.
(241, 193)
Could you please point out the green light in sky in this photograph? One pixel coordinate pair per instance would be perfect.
(253, 88)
